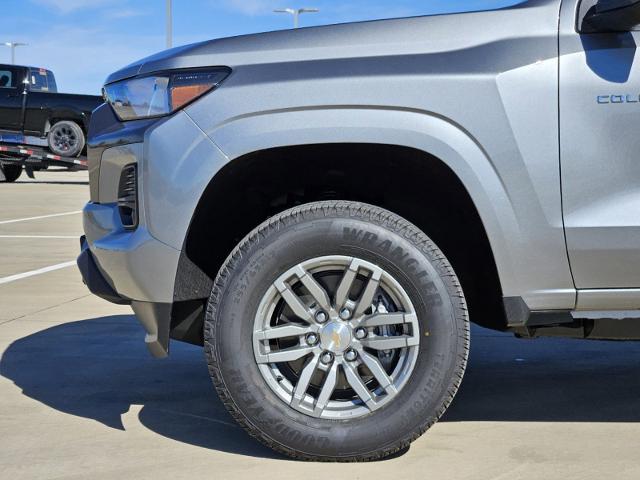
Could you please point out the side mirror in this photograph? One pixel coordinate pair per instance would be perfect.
(608, 16)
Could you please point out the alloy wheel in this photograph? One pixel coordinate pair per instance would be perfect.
(64, 138)
(336, 337)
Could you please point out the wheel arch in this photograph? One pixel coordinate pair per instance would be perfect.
(431, 134)
(246, 191)
(66, 114)
(433, 145)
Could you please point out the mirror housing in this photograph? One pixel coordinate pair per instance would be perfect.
(608, 16)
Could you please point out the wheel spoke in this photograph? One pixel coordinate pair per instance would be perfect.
(353, 377)
(375, 367)
(389, 343)
(288, 355)
(283, 332)
(318, 293)
(304, 380)
(294, 302)
(327, 389)
(382, 319)
(366, 299)
(342, 293)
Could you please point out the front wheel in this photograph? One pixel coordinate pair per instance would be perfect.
(336, 331)
(66, 139)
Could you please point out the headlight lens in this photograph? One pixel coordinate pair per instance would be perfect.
(162, 93)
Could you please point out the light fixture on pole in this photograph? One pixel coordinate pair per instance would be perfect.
(13, 46)
(296, 13)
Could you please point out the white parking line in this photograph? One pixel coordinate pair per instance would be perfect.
(40, 236)
(40, 271)
(4, 222)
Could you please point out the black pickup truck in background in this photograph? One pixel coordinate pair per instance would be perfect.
(32, 112)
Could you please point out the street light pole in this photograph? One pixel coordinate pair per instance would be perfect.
(296, 13)
(13, 46)
(169, 24)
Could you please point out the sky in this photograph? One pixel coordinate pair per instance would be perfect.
(83, 41)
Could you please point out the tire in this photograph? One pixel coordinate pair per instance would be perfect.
(66, 139)
(415, 281)
(11, 172)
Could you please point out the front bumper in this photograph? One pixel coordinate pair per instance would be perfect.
(93, 278)
(154, 317)
(134, 264)
(145, 266)
(129, 267)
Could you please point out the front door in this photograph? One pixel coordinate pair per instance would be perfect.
(11, 97)
(600, 152)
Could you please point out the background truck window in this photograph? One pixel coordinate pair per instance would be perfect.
(7, 79)
(38, 80)
(52, 82)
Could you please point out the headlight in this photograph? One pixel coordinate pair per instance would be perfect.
(161, 93)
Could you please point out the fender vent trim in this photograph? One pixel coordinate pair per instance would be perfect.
(128, 197)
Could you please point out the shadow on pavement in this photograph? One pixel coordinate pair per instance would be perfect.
(99, 368)
(548, 380)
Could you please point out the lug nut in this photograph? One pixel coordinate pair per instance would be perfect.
(312, 339)
(326, 358)
(361, 333)
(321, 317)
(350, 355)
(345, 314)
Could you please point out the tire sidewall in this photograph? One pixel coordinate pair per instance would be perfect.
(408, 256)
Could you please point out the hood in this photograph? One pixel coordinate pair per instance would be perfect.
(362, 39)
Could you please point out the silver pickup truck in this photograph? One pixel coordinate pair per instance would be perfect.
(325, 210)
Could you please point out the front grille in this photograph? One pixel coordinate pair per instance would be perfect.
(128, 197)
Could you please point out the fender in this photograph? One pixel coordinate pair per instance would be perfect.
(511, 240)
(40, 121)
(67, 113)
(420, 130)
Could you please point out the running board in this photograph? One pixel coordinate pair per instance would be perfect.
(587, 329)
(585, 324)
(520, 316)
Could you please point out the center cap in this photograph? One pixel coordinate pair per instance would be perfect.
(335, 337)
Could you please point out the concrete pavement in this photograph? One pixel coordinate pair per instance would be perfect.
(81, 398)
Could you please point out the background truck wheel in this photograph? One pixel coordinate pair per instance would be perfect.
(11, 172)
(66, 139)
(336, 331)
